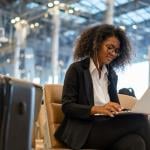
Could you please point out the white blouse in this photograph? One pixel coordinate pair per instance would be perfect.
(100, 85)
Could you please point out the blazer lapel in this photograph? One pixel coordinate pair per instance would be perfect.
(88, 86)
(88, 81)
(112, 84)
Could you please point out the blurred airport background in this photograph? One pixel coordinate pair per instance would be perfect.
(37, 37)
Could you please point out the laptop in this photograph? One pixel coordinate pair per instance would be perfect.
(141, 106)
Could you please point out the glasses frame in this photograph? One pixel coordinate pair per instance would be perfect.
(111, 49)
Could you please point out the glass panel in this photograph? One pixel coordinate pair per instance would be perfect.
(125, 19)
(144, 13)
(100, 4)
(32, 5)
(121, 2)
(85, 6)
(135, 17)
(69, 17)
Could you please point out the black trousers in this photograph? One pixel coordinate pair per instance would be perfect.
(122, 132)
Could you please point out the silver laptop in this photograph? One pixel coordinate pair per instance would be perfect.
(142, 105)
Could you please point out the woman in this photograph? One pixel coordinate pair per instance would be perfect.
(89, 100)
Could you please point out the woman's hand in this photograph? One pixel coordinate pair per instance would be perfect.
(109, 109)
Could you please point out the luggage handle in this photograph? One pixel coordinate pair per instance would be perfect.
(21, 108)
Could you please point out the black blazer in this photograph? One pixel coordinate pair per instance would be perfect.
(77, 100)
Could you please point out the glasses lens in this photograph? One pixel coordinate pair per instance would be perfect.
(111, 48)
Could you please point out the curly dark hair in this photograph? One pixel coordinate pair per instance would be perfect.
(91, 39)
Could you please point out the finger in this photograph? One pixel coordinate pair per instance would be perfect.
(112, 109)
(114, 103)
(116, 106)
(108, 113)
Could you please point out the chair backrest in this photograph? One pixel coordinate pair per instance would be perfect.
(52, 95)
(127, 101)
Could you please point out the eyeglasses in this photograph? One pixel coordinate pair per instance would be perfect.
(111, 48)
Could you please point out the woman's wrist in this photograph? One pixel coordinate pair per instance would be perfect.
(92, 110)
(95, 109)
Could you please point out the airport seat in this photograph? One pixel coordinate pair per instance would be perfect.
(52, 96)
(41, 135)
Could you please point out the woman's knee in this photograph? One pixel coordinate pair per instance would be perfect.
(130, 142)
(139, 142)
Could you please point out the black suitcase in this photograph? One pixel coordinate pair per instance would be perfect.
(19, 106)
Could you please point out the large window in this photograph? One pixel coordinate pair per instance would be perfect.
(135, 76)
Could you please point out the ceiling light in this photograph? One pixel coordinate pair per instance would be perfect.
(8, 60)
(122, 27)
(134, 26)
(70, 11)
(32, 26)
(36, 24)
(13, 21)
(50, 4)
(56, 2)
(76, 9)
(17, 18)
